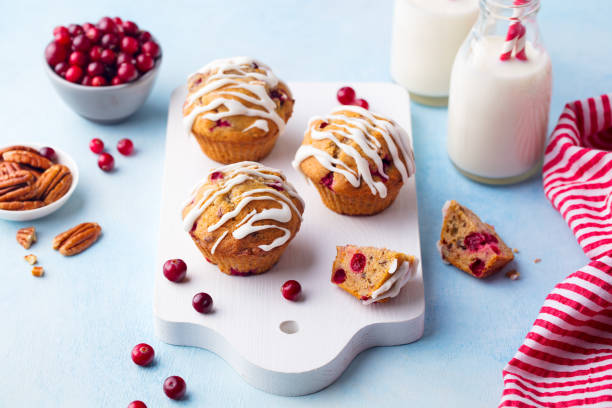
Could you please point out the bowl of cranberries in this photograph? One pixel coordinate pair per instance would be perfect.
(103, 71)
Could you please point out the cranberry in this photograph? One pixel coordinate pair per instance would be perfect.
(129, 45)
(365, 297)
(358, 262)
(87, 26)
(109, 40)
(151, 48)
(95, 54)
(144, 36)
(143, 354)
(55, 53)
(98, 81)
(362, 103)
(175, 270)
(123, 57)
(95, 68)
(74, 73)
(328, 180)
(339, 276)
(77, 58)
(108, 57)
(93, 34)
(277, 186)
(175, 387)
(61, 35)
(86, 80)
(202, 302)
(106, 162)
(130, 27)
(323, 125)
(81, 43)
(116, 81)
(291, 290)
(75, 29)
(236, 272)
(477, 267)
(61, 68)
(215, 175)
(125, 147)
(345, 95)
(137, 404)
(127, 72)
(495, 249)
(145, 63)
(118, 20)
(106, 25)
(48, 152)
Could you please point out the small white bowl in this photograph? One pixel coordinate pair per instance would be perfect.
(105, 104)
(28, 215)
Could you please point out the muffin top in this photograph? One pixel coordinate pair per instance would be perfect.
(238, 98)
(243, 208)
(355, 151)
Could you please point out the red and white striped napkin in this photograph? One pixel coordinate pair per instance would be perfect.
(566, 359)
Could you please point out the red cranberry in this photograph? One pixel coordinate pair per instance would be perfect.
(137, 404)
(143, 354)
(202, 302)
(365, 297)
(328, 180)
(151, 48)
(358, 262)
(175, 270)
(116, 81)
(61, 68)
(339, 276)
(93, 34)
(96, 146)
(144, 36)
(75, 29)
(61, 35)
(477, 267)
(362, 103)
(129, 45)
(98, 81)
(323, 125)
(106, 25)
(145, 63)
(109, 40)
(87, 26)
(345, 95)
(86, 80)
(291, 290)
(130, 27)
(48, 152)
(106, 162)
(81, 43)
(108, 57)
(175, 387)
(78, 58)
(55, 53)
(127, 72)
(95, 54)
(117, 20)
(277, 186)
(123, 57)
(215, 175)
(95, 68)
(125, 147)
(74, 73)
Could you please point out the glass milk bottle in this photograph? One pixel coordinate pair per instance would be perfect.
(500, 95)
(426, 37)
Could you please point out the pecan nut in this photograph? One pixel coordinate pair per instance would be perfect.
(77, 239)
(38, 271)
(21, 205)
(26, 237)
(18, 147)
(16, 187)
(53, 183)
(7, 169)
(28, 158)
(31, 259)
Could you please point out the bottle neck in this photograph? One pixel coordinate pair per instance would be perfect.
(510, 10)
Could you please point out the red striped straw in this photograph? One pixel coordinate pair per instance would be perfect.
(516, 36)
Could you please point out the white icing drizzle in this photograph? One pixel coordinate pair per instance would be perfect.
(233, 175)
(357, 129)
(391, 288)
(231, 74)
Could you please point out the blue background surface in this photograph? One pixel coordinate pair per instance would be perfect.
(65, 339)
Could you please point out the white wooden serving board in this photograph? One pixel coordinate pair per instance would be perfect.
(245, 328)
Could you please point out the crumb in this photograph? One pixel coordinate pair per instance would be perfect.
(31, 259)
(38, 271)
(516, 251)
(513, 274)
(537, 260)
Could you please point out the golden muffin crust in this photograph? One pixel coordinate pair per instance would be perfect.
(236, 108)
(243, 216)
(356, 159)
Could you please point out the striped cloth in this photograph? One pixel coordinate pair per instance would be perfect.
(566, 359)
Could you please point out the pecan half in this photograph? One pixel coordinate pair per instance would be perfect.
(18, 147)
(21, 205)
(31, 259)
(16, 187)
(28, 158)
(53, 183)
(77, 239)
(26, 237)
(38, 271)
(7, 169)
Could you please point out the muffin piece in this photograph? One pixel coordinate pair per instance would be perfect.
(236, 108)
(357, 160)
(370, 274)
(243, 216)
(470, 244)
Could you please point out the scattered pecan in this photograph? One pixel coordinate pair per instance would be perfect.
(77, 239)
(31, 259)
(26, 237)
(38, 271)
(513, 274)
(28, 158)
(16, 187)
(21, 205)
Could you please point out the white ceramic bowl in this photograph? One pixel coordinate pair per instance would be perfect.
(28, 215)
(105, 104)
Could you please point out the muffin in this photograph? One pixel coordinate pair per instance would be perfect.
(236, 108)
(357, 160)
(243, 216)
(470, 244)
(372, 275)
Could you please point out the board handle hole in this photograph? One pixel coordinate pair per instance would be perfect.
(289, 327)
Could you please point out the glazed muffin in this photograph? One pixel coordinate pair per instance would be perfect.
(373, 275)
(357, 160)
(236, 108)
(243, 216)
